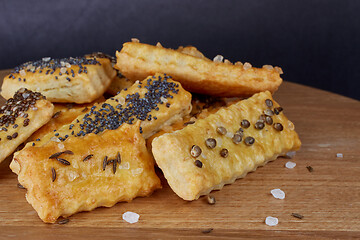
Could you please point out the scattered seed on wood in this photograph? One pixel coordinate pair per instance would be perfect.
(210, 143)
(63, 221)
(63, 161)
(310, 168)
(53, 174)
(198, 163)
(245, 123)
(211, 200)
(189, 122)
(297, 215)
(20, 186)
(118, 158)
(224, 153)
(57, 114)
(209, 230)
(195, 151)
(104, 163)
(88, 157)
(221, 130)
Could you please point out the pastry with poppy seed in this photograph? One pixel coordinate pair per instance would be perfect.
(224, 146)
(156, 102)
(196, 73)
(78, 80)
(22, 115)
(63, 114)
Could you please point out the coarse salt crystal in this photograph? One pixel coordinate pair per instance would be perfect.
(271, 221)
(163, 99)
(46, 59)
(290, 164)
(218, 58)
(279, 70)
(22, 72)
(136, 171)
(269, 67)
(238, 64)
(125, 165)
(55, 139)
(158, 44)
(226, 61)
(339, 155)
(278, 193)
(219, 142)
(62, 70)
(229, 134)
(131, 217)
(135, 40)
(61, 146)
(290, 154)
(68, 65)
(247, 66)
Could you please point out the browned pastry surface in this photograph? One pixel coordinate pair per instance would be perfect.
(22, 115)
(197, 74)
(214, 151)
(63, 114)
(92, 171)
(78, 80)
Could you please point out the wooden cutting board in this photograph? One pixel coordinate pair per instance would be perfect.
(328, 197)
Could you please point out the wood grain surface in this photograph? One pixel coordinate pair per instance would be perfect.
(328, 197)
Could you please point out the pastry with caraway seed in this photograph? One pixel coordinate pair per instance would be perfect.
(20, 117)
(81, 174)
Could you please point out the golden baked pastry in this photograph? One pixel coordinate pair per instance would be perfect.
(22, 115)
(81, 174)
(224, 146)
(63, 114)
(156, 102)
(78, 80)
(197, 74)
(119, 82)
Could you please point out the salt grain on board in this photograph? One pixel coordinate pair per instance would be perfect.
(339, 155)
(278, 193)
(131, 217)
(290, 164)
(271, 221)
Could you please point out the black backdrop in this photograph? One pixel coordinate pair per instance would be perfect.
(316, 42)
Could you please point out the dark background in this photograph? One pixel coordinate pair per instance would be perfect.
(315, 42)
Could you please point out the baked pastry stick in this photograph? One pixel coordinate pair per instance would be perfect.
(78, 80)
(22, 115)
(157, 101)
(81, 174)
(119, 82)
(197, 74)
(224, 146)
(63, 114)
